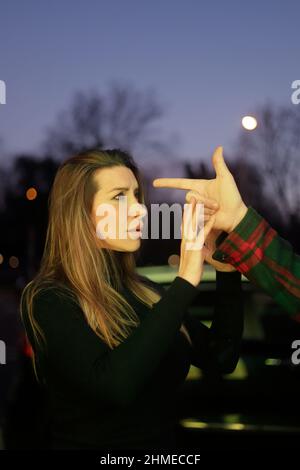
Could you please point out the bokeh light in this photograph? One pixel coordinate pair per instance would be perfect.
(31, 194)
(13, 262)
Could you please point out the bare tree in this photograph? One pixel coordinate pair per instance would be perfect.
(123, 118)
(4, 172)
(274, 148)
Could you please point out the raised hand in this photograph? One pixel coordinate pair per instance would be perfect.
(222, 189)
(192, 250)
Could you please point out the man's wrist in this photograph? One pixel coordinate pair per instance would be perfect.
(239, 217)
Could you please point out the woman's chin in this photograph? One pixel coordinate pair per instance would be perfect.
(134, 245)
(127, 245)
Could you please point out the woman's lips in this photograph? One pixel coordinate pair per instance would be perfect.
(138, 228)
(136, 233)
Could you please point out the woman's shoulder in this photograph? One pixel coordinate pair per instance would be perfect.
(52, 297)
(51, 311)
(55, 291)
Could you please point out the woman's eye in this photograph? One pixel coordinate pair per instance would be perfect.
(137, 195)
(117, 196)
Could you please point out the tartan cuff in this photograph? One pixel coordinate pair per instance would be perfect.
(232, 247)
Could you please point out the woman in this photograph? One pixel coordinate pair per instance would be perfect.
(111, 347)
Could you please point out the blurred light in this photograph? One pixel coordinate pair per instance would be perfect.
(249, 123)
(191, 423)
(272, 362)
(232, 418)
(173, 261)
(13, 262)
(239, 373)
(195, 424)
(194, 373)
(31, 194)
(165, 274)
(235, 426)
(1, 259)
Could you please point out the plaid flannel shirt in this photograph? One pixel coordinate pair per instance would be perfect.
(256, 250)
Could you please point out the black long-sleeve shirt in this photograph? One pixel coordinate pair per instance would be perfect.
(100, 398)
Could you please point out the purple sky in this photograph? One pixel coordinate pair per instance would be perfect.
(210, 62)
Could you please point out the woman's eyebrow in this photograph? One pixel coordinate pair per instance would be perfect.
(121, 189)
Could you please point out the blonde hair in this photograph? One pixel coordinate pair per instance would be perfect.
(73, 260)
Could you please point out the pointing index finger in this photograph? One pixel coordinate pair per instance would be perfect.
(177, 183)
(197, 185)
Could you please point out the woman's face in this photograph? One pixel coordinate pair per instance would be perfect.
(116, 209)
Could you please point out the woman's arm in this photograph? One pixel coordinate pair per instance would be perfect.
(79, 360)
(217, 348)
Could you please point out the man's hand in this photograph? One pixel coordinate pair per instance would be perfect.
(222, 189)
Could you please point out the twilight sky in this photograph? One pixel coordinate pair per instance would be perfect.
(210, 62)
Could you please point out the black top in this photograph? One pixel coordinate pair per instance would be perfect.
(126, 397)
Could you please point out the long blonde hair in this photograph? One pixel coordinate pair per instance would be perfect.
(73, 260)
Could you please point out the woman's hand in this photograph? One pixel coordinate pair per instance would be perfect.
(192, 250)
(210, 248)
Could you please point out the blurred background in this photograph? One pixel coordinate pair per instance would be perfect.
(168, 82)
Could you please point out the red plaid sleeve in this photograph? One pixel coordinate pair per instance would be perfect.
(256, 250)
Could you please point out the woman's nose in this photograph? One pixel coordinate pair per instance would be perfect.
(137, 210)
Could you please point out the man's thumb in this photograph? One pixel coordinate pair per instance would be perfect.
(219, 164)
